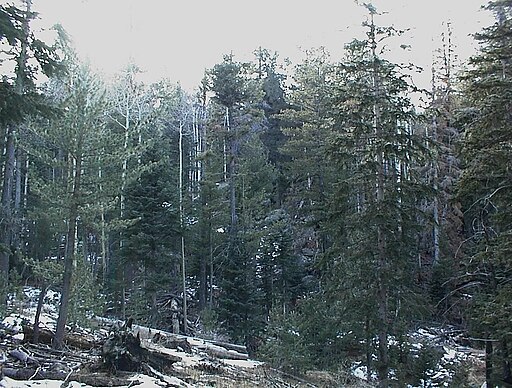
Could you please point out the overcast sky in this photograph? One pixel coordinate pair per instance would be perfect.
(179, 39)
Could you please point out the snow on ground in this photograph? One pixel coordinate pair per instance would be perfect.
(26, 306)
(25, 303)
(248, 364)
(452, 356)
(139, 381)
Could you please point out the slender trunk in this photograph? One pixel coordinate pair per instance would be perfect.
(184, 285)
(210, 294)
(488, 364)
(6, 213)
(183, 260)
(203, 260)
(18, 193)
(232, 173)
(69, 257)
(369, 350)
(122, 206)
(39, 309)
(25, 183)
(103, 230)
(382, 287)
(104, 258)
(202, 282)
(435, 178)
(507, 370)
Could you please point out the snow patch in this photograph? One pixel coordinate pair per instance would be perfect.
(249, 364)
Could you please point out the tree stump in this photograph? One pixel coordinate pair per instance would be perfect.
(123, 351)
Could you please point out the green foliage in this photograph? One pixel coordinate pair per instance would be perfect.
(151, 240)
(209, 320)
(240, 309)
(86, 299)
(19, 96)
(285, 346)
(43, 272)
(279, 269)
(485, 185)
(229, 82)
(415, 365)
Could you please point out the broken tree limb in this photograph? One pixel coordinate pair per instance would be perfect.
(23, 356)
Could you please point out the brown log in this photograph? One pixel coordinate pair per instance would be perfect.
(71, 339)
(161, 360)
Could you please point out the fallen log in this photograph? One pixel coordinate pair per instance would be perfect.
(161, 360)
(180, 344)
(33, 373)
(22, 356)
(45, 336)
(226, 354)
(92, 379)
(238, 348)
(232, 351)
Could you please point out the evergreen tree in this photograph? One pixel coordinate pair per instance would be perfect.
(441, 258)
(375, 208)
(236, 98)
(130, 113)
(29, 58)
(308, 171)
(66, 169)
(151, 243)
(485, 189)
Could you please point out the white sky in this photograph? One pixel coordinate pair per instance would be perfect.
(179, 39)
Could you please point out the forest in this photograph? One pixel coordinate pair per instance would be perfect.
(317, 213)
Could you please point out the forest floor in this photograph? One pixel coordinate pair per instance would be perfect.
(110, 354)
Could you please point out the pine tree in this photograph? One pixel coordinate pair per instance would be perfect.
(130, 113)
(30, 58)
(65, 169)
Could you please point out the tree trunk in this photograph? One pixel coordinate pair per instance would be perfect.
(232, 174)
(507, 372)
(6, 219)
(382, 287)
(40, 303)
(69, 253)
(488, 364)
(182, 226)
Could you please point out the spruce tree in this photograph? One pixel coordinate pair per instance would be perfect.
(485, 191)
(237, 98)
(151, 240)
(375, 207)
